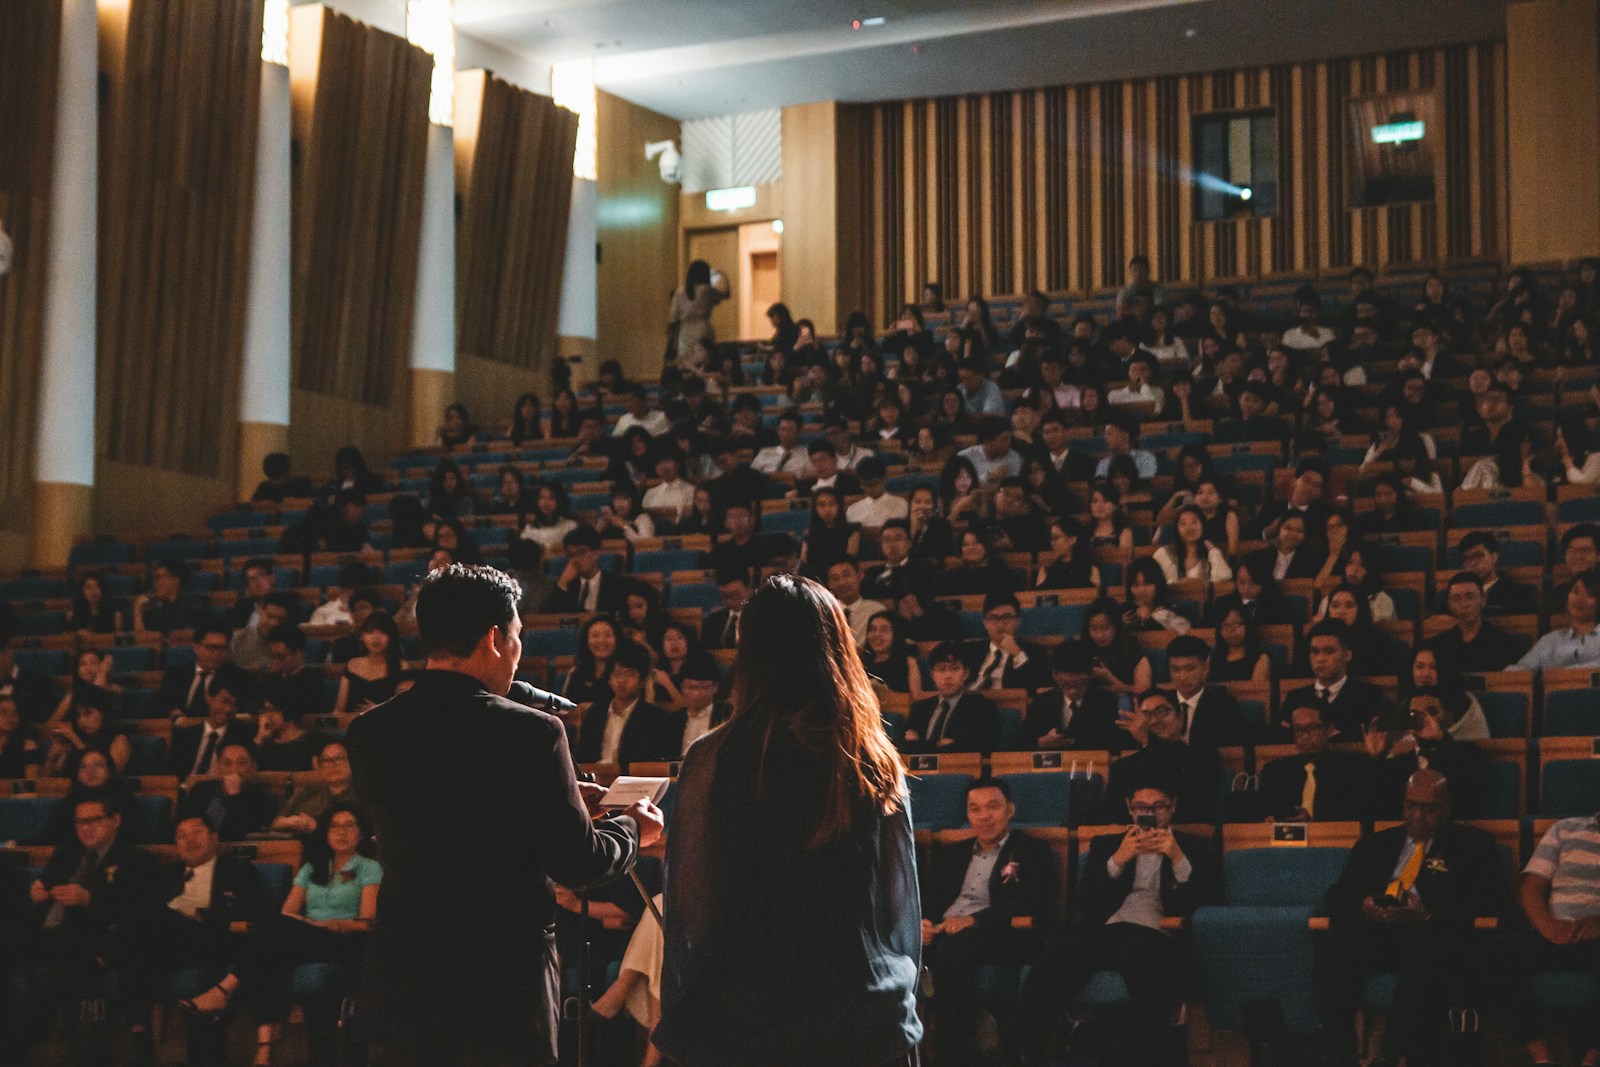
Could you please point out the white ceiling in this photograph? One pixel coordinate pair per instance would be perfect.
(697, 58)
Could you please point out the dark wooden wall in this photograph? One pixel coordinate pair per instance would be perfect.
(1056, 188)
(178, 137)
(360, 125)
(30, 48)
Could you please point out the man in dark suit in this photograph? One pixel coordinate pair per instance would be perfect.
(720, 628)
(583, 586)
(234, 803)
(826, 473)
(1306, 498)
(195, 749)
(1406, 902)
(1210, 715)
(744, 549)
(1480, 556)
(702, 711)
(1316, 783)
(899, 573)
(1473, 643)
(1076, 713)
(446, 982)
(984, 902)
(627, 729)
(954, 720)
(303, 690)
(183, 686)
(1130, 882)
(195, 900)
(1352, 703)
(92, 891)
(1192, 773)
(1003, 662)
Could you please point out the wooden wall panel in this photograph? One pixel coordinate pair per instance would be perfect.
(30, 45)
(178, 136)
(514, 184)
(636, 224)
(360, 121)
(1055, 188)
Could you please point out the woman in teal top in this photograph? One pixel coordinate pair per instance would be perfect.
(325, 919)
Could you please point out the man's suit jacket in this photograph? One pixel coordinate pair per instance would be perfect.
(973, 725)
(1093, 725)
(1341, 779)
(914, 575)
(235, 891)
(1218, 720)
(613, 595)
(1100, 895)
(1192, 773)
(235, 817)
(1461, 878)
(649, 734)
(1305, 563)
(1357, 704)
(184, 748)
(1506, 597)
(711, 627)
(1029, 890)
(1034, 674)
(120, 888)
(173, 695)
(513, 804)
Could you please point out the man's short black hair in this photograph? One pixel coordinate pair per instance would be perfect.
(369, 597)
(1070, 657)
(1479, 539)
(1188, 645)
(230, 679)
(872, 469)
(1583, 529)
(205, 630)
(1124, 422)
(992, 426)
(1464, 578)
(458, 604)
(947, 652)
(175, 567)
(745, 402)
(1313, 463)
(729, 575)
(632, 656)
(289, 602)
(1139, 259)
(1330, 628)
(895, 524)
(989, 781)
(1308, 701)
(1157, 693)
(287, 634)
(582, 536)
(275, 465)
(700, 669)
(1002, 598)
(821, 445)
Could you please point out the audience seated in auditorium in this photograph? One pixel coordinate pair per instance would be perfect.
(195, 749)
(1002, 661)
(1155, 747)
(624, 728)
(954, 719)
(1405, 903)
(985, 902)
(167, 607)
(1352, 703)
(1316, 782)
(1077, 713)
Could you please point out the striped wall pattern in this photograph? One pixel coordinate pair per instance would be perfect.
(360, 122)
(177, 164)
(1055, 188)
(514, 184)
(731, 150)
(29, 55)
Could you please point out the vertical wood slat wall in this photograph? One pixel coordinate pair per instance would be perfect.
(514, 183)
(29, 56)
(178, 137)
(360, 121)
(1055, 188)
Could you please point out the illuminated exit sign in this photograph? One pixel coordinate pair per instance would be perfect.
(1397, 132)
(731, 199)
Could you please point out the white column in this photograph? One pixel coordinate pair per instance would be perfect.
(433, 335)
(67, 374)
(578, 281)
(264, 381)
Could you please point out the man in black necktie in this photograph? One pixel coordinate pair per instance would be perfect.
(1210, 714)
(194, 749)
(720, 628)
(1076, 713)
(90, 892)
(183, 686)
(583, 586)
(1352, 703)
(1004, 662)
(954, 720)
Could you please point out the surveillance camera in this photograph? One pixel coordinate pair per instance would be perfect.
(671, 162)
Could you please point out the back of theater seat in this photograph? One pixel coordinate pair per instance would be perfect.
(1571, 713)
(938, 801)
(1043, 798)
(25, 819)
(1569, 787)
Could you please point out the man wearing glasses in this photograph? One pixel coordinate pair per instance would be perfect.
(1131, 882)
(183, 686)
(1005, 662)
(1190, 771)
(1480, 556)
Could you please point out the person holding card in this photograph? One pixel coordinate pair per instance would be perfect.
(461, 967)
(793, 925)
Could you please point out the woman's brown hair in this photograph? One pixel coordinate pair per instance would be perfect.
(798, 671)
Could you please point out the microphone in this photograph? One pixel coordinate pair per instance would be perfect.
(538, 699)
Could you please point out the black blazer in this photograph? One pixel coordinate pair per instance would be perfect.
(612, 597)
(1029, 890)
(1218, 720)
(184, 748)
(1093, 725)
(1305, 563)
(1341, 781)
(235, 890)
(1035, 674)
(648, 735)
(711, 626)
(973, 725)
(251, 811)
(914, 575)
(1358, 703)
(1100, 895)
(120, 889)
(173, 695)
(504, 820)
(1461, 878)
(1506, 597)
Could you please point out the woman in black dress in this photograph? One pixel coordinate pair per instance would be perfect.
(889, 657)
(1071, 568)
(830, 537)
(371, 678)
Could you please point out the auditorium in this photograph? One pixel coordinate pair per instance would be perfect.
(1184, 413)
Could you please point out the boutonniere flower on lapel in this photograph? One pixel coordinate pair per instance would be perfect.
(1438, 866)
(111, 874)
(1010, 872)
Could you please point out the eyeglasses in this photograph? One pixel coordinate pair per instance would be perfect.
(90, 820)
(1150, 809)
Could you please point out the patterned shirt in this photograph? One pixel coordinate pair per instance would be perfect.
(1568, 857)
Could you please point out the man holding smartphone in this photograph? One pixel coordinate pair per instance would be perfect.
(1132, 881)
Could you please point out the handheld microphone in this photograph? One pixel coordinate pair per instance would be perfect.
(554, 703)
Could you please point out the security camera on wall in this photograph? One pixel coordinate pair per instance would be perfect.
(671, 161)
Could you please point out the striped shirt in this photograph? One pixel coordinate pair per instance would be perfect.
(1568, 857)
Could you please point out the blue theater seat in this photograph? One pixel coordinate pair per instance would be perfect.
(938, 801)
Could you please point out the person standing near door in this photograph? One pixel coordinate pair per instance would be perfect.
(703, 289)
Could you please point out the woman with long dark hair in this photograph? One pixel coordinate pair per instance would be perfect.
(793, 925)
(692, 305)
(527, 420)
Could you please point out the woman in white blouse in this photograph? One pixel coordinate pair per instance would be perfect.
(1580, 462)
(1192, 556)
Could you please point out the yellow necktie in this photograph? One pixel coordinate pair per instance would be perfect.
(1308, 792)
(1408, 874)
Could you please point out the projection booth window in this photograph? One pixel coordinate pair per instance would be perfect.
(1236, 165)
(1393, 148)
